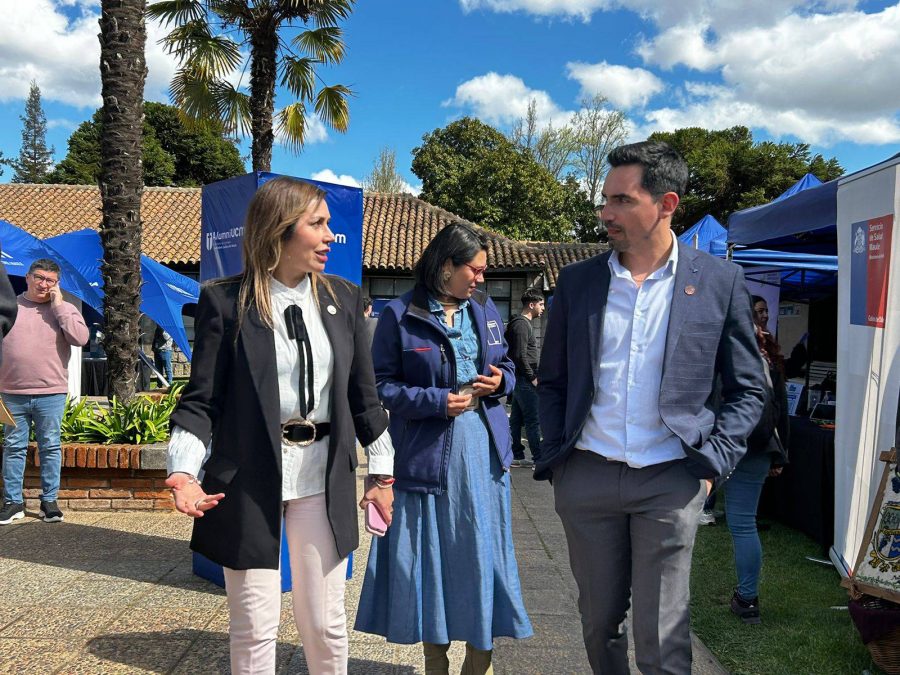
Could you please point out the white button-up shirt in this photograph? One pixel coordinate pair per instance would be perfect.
(302, 467)
(624, 424)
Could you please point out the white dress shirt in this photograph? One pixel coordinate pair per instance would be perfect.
(302, 467)
(624, 424)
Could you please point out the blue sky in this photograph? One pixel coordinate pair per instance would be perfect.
(822, 73)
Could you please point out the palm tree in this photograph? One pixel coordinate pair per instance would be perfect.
(208, 38)
(123, 71)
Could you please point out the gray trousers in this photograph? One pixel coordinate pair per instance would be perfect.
(631, 535)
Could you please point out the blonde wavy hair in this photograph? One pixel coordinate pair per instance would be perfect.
(273, 212)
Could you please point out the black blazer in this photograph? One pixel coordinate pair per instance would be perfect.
(232, 399)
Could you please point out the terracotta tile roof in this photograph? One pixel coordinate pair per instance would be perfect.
(558, 255)
(171, 216)
(396, 229)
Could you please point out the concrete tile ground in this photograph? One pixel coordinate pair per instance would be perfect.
(114, 593)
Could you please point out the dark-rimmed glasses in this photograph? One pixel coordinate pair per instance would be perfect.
(41, 279)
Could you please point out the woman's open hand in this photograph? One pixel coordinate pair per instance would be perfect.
(189, 497)
(484, 385)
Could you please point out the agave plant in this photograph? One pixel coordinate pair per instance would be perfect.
(137, 421)
(209, 38)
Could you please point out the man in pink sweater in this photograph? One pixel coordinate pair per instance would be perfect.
(33, 382)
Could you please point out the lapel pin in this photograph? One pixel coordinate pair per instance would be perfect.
(332, 309)
(689, 290)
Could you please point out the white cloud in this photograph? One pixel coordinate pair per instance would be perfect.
(503, 99)
(821, 71)
(329, 176)
(574, 8)
(55, 43)
(62, 123)
(624, 87)
(414, 190)
(720, 107)
(822, 78)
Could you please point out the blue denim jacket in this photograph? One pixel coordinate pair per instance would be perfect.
(415, 370)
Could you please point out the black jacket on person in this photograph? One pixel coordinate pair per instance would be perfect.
(522, 347)
(774, 418)
(233, 399)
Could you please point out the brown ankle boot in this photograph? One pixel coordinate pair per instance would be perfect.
(436, 661)
(477, 662)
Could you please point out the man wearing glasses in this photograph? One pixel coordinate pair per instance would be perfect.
(33, 381)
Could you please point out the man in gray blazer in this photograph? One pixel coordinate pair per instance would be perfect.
(637, 340)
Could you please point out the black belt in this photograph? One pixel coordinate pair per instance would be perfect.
(303, 432)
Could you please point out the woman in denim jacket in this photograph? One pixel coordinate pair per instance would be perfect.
(446, 569)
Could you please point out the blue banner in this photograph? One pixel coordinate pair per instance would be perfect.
(224, 209)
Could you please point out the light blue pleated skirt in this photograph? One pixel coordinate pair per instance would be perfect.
(446, 569)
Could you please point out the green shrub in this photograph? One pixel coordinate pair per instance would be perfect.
(141, 420)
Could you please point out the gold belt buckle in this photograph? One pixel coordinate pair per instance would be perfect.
(298, 422)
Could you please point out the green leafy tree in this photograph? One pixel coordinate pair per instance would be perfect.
(729, 172)
(208, 37)
(172, 153)
(123, 70)
(384, 177)
(201, 155)
(475, 171)
(35, 158)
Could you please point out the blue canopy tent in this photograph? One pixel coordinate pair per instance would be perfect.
(163, 292)
(707, 234)
(20, 249)
(804, 274)
(805, 221)
(808, 181)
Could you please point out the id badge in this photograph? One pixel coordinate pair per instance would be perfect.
(494, 336)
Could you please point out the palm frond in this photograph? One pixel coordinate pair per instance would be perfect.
(176, 11)
(329, 12)
(233, 108)
(198, 49)
(326, 44)
(332, 106)
(193, 94)
(232, 12)
(299, 76)
(292, 126)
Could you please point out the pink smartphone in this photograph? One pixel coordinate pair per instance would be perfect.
(375, 521)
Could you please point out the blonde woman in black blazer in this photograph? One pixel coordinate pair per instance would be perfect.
(244, 404)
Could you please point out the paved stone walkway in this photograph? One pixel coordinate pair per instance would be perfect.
(114, 593)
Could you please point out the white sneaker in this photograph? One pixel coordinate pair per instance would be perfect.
(707, 518)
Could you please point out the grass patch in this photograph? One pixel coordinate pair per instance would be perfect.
(800, 633)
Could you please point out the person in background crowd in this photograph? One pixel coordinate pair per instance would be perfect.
(281, 387)
(524, 353)
(34, 379)
(766, 454)
(446, 569)
(162, 352)
(371, 321)
(9, 307)
(636, 341)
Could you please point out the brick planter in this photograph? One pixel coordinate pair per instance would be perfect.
(105, 478)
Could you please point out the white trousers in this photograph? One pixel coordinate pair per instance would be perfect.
(318, 576)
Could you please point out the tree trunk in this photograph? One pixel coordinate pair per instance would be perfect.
(263, 71)
(122, 74)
